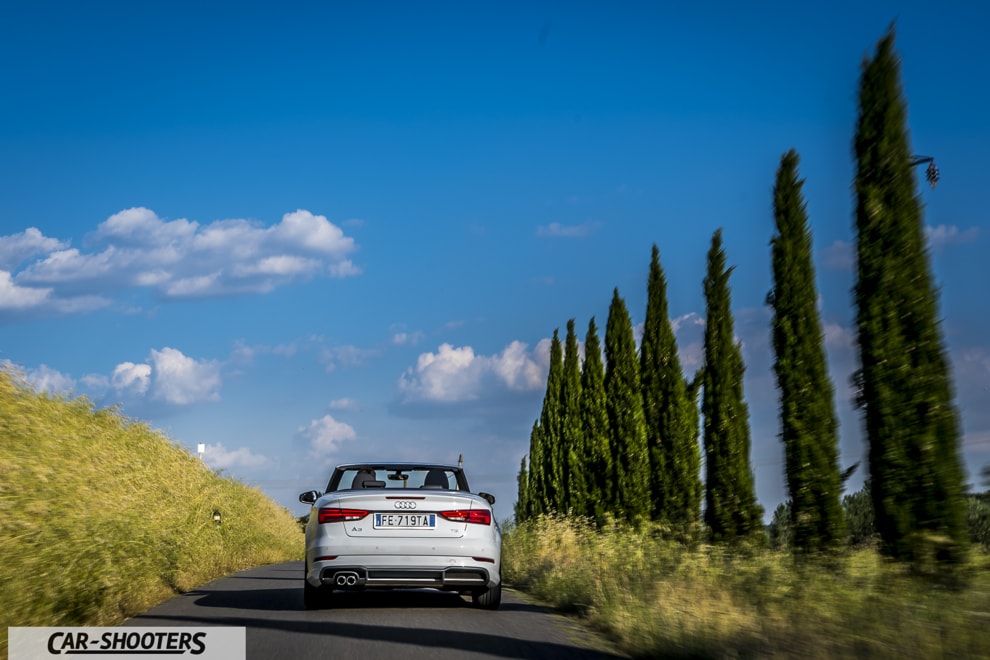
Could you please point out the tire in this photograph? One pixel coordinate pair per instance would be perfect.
(315, 598)
(489, 599)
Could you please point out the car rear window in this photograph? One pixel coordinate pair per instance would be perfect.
(420, 479)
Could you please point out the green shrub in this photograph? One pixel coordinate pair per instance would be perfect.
(978, 516)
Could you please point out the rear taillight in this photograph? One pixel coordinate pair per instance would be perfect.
(331, 515)
(479, 516)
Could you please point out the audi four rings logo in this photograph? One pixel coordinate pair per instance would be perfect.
(405, 504)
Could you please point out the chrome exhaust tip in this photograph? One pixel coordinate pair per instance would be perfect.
(346, 579)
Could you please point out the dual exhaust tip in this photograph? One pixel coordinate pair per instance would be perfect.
(346, 579)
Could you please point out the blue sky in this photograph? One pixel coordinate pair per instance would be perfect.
(305, 233)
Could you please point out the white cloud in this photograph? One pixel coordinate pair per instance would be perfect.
(174, 259)
(130, 377)
(96, 382)
(15, 249)
(313, 233)
(220, 458)
(326, 434)
(557, 230)
(950, 235)
(345, 356)
(839, 337)
(46, 379)
(13, 297)
(839, 256)
(343, 268)
(691, 319)
(458, 374)
(181, 380)
(140, 226)
(407, 338)
(517, 368)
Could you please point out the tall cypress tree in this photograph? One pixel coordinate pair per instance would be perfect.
(809, 427)
(522, 506)
(905, 387)
(624, 404)
(571, 438)
(731, 509)
(595, 430)
(551, 492)
(535, 501)
(671, 424)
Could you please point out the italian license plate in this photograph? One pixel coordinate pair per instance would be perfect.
(405, 520)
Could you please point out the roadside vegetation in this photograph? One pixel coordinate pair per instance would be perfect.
(668, 563)
(103, 517)
(657, 597)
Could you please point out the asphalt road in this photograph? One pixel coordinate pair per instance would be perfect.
(386, 624)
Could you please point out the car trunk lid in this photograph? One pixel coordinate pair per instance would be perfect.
(397, 514)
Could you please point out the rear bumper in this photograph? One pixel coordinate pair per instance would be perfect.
(357, 577)
(449, 573)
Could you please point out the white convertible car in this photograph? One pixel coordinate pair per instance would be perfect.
(401, 525)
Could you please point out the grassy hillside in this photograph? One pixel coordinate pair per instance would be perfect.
(658, 598)
(102, 517)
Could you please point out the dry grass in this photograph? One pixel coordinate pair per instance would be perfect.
(102, 517)
(658, 598)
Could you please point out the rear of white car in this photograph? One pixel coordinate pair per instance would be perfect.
(404, 526)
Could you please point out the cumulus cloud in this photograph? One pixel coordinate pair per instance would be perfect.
(325, 435)
(135, 249)
(169, 376)
(130, 377)
(455, 374)
(181, 380)
(219, 457)
(13, 297)
(15, 249)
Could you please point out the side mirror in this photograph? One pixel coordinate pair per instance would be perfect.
(489, 497)
(310, 496)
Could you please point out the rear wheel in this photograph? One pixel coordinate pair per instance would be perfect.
(489, 599)
(315, 598)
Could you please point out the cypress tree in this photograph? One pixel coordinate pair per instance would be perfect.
(551, 492)
(521, 508)
(595, 430)
(905, 388)
(624, 405)
(670, 416)
(731, 509)
(535, 502)
(809, 427)
(573, 485)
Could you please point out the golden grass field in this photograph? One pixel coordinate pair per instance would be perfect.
(660, 598)
(103, 517)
